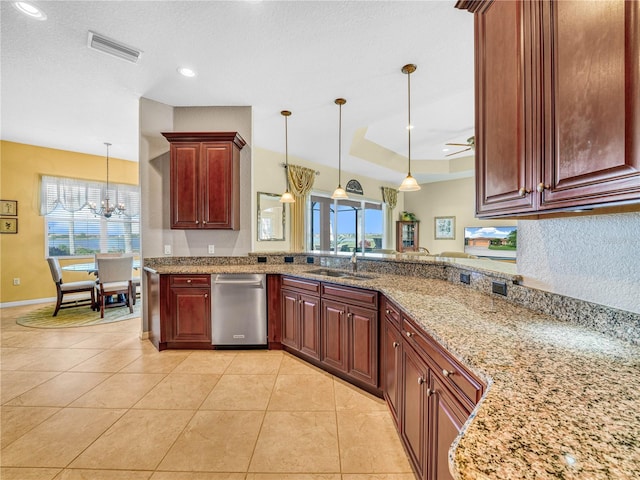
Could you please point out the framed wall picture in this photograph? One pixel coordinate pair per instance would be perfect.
(445, 228)
(9, 207)
(8, 225)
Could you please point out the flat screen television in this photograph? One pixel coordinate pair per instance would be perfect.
(497, 243)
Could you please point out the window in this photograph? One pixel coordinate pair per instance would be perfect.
(72, 229)
(345, 225)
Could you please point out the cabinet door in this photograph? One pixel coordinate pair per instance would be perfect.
(310, 325)
(191, 315)
(185, 192)
(290, 319)
(334, 335)
(414, 411)
(391, 363)
(220, 186)
(505, 127)
(592, 107)
(363, 344)
(448, 418)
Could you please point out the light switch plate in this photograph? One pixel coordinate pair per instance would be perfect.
(167, 249)
(212, 249)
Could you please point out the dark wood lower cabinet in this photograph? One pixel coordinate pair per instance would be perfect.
(180, 311)
(301, 317)
(414, 411)
(447, 420)
(429, 394)
(334, 335)
(391, 364)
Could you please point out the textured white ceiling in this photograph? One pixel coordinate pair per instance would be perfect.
(270, 55)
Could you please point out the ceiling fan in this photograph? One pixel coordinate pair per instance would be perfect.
(471, 145)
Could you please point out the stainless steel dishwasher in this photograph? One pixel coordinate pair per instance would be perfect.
(239, 310)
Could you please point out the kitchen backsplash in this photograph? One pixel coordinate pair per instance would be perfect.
(609, 321)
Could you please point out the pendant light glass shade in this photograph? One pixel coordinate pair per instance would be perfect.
(339, 193)
(409, 184)
(286, 197)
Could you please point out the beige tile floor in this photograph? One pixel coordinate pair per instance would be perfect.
(98, 403)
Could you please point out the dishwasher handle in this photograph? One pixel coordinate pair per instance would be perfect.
(255, 283)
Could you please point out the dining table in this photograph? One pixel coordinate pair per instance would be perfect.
(91, 267)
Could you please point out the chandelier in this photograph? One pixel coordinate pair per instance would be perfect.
(106, 209)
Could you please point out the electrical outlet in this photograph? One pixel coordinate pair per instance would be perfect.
(212, 249)
(16, 281)
(167, 249)
(465, 278)
(499, 287)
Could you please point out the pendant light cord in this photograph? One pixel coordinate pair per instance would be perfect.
(409, 126)
(106, 196)
(340, 147)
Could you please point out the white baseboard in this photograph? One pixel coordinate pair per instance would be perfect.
(21, 303)
(144, 335)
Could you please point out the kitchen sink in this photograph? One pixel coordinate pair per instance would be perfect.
(340, 274)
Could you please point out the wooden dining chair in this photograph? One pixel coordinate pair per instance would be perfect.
(86, 286)
(114, 278)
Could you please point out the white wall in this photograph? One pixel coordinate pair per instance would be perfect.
(594, 258)
(154, 179)
(455, 198)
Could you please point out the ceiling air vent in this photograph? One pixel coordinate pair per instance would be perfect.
(111, 47)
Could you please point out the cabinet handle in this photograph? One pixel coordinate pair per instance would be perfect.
(523, 191)
(349, 315)
(299, 301)
(197, 222)
(396, 344)
(188, 280)
(204, 221)
(541, 187)
(388, 312)
(447, 373)
(420, 380)
(409, 334)
(206, 295)
(430, 392)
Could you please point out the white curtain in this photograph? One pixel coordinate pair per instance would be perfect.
(73, 195)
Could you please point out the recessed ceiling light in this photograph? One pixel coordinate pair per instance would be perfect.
(186, 72)
(31, 10)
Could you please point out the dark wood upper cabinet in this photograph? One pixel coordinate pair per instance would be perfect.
(591, 111)
(205, 179)
(557, 109)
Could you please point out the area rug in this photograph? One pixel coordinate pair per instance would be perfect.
(75, 317)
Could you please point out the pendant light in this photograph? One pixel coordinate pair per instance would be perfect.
(409, 184)
(339, 192)
(106, 209)
(286, 197)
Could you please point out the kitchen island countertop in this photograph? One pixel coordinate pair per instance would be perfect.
(562, 400)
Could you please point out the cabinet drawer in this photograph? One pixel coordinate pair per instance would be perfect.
(301, 285)
(190, 280)
(391, 312)
(354, 296)
(457, 378)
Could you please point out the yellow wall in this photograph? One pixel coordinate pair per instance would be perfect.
(23, 255)
(454, 198)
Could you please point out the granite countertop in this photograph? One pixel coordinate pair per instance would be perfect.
(562, 400)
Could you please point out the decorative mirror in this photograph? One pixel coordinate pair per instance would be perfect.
(270, 217)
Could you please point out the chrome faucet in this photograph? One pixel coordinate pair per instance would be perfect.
(354, 263)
